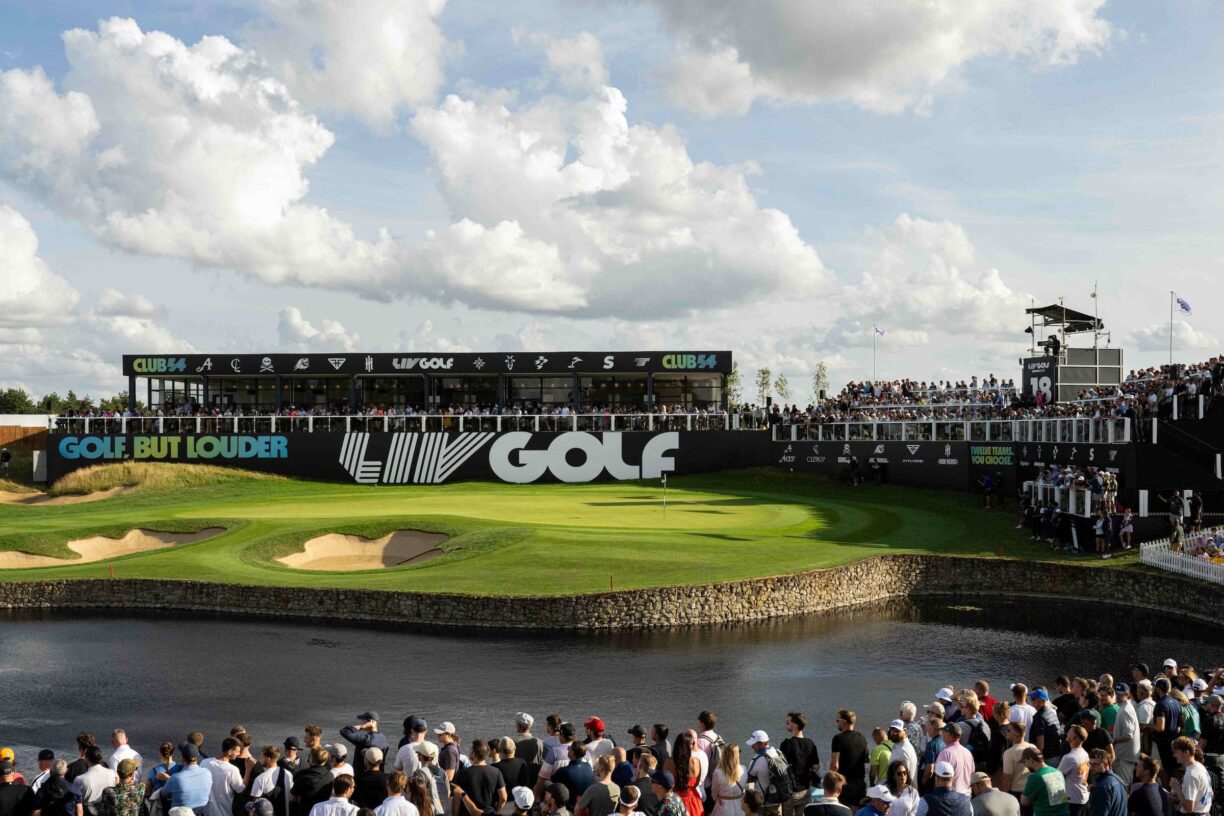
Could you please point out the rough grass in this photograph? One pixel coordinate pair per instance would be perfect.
(509, 540)
(150, 476)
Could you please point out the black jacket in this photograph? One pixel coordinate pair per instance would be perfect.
(310, 787)
(371, 789)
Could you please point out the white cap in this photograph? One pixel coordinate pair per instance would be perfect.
(944, 693)
(336, 749)
(944, 770)
(880, 792)
(897, 724)
(1199, 684)
(524, 719)
(523, 797)
(445, 728)
(1169, 662)
(758, 736)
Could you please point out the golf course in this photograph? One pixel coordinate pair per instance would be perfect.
(210, 524)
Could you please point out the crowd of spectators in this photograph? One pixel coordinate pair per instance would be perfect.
(1146, 744)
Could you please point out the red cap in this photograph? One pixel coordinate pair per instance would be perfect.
(595, 724)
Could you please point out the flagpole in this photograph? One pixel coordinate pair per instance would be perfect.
(1170, 331)
(874, 334)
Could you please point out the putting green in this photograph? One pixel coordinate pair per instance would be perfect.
(517, 539)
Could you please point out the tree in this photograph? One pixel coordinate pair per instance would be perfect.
(783, 388)
(16, 401)
(116, 404)
(763, 379)
(734, 385)
(51, 403)
(820, 381)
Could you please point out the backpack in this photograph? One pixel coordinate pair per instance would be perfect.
(717, 745)
(780, 786)
(979, 743)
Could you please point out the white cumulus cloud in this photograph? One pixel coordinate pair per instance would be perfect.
(31, 294)
(882, 56)
(296, 333)
(1186, 338)
(370, 59)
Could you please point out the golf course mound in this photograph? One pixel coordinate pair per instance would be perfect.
(100, 548)
(150, 476)
(346, 553)
(8, 497)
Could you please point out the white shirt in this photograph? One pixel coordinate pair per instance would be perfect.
(266, 781)
(406, 759)
(343, 768)
(704, 770)
(1023, 713)
(597, 748)
(758, 769)
(226, 782)
(1126, 733)
(396, 806)
(906, 804)
(95, 780)
(39, 780)
(335, 806)
(1146, 709)
(905, 752)
(124, 752)
(1195, 789)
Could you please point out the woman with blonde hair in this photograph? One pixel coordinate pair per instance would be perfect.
(728, 785)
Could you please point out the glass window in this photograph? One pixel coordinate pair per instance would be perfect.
(624, 391)
(689, 390)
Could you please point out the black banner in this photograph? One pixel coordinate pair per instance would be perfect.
(1040, 375)
(519, 457)
(488, 363)
(919, 464)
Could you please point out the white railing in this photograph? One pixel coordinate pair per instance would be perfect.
(1080, 430)
(399, 423)
(1160, 554)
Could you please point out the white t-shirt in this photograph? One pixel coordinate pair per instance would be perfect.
(266, 781)
(1126, 733)
(396, 806)
(226, 782)
(1023, 713)
(1196, 791)
(597, 748)
(344, 768)
(124, 752)
(95, 780)
(1146, 709)
(704, 771)
(1074, 768)
(406, 759)
(905, 752)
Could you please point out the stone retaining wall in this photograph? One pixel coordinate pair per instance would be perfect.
(874, 579)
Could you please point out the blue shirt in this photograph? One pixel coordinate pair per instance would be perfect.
(1170, 709)
(170, 770)
(1108, 797)
(189, 788)
(933, 748)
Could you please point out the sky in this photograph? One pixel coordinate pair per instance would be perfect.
(774, 178)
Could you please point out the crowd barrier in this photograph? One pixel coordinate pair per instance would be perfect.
(1160, 554)
(1107, 430)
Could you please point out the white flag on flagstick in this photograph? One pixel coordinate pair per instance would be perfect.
(878, 330)
(1182, 306)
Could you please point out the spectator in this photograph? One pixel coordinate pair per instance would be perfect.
(944, 800)
(1109, 794)
(990, 802)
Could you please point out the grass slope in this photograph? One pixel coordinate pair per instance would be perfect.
(517, 539)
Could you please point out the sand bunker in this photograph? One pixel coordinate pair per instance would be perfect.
(7, 497)
(346, 552)
(100, 548)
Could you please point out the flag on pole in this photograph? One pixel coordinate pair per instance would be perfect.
(878, 330)
(1182, 306)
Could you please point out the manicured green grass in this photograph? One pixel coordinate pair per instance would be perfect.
(525, 539)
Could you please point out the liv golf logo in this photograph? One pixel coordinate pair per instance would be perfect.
(432, 458)
(417, 458)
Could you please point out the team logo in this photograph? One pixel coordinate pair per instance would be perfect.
(204, 366)
(336, 362)
(641, 362)
(412, 458)
(879, 450)
(509, 362)
(369, 363)
(912, 449)
(690, 360)
(846, 449)
(1113, 454)
(409, 363)
(159, 365)
(540, 362)
(302, 364)
(265, 365)
(236, 365)
(608, 361)
(574, 362)
(478, 363)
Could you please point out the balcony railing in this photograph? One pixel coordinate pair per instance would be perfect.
(1082, 430)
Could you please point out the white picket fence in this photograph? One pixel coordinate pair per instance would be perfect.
(1159, 554)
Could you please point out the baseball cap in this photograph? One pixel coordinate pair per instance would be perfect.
(293, 742)
(445, 728)
(944, 770)
(523, 797)
(664, 779)
(524, 719)
(1121, 688)
(1090, 714)
(1039, 694)
(1146, 683)
(558, 792)
(6, 767)
(1143, 667)
(337, 749)
(373, 756)
(418, 726)
(1212, 699)
(880, 792)
(46, 754)
(426, 749)
(259, 807)
(757, 736)
(637, 731)
(897, 724)
(944, 693)
(979, 777)
(7, 753)
(189, 752)
(594, 723)
(1169, 663)
(1199, 684)
(1162, 683)
(367, 716)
